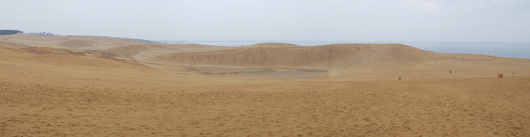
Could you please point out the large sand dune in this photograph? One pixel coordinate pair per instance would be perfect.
(357, 61)
(113, 87)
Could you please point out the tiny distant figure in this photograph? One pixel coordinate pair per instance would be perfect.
(513, 75)
(501, 76)
(399, 78)
(450, 71)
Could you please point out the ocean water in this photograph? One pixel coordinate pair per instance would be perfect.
(510, 50)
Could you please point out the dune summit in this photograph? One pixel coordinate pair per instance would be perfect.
(100, 86)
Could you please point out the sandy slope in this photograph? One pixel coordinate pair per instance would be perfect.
(81, 92)
(359, 61)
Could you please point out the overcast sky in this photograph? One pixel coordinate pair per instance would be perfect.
(277, 20)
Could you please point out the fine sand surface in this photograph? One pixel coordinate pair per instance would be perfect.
(100, 86)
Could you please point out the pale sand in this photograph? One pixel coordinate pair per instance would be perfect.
(51, 92)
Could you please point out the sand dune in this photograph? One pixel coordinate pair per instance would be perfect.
(327, 56)
(64, 57)
(142, 89)
(133, 49)
(68, 42)
(358, 61)
(78, 43)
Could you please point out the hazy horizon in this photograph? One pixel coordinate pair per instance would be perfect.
(500, 21)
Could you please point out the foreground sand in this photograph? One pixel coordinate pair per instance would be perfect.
(129, 106)
(45, 92)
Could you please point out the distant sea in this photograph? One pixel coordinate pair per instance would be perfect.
(510, 50)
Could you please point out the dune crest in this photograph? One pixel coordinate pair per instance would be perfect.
(272, 45)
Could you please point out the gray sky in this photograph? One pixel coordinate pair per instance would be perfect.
(277, 20)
